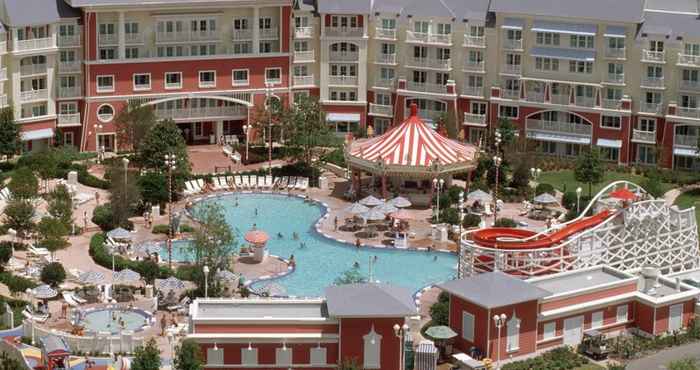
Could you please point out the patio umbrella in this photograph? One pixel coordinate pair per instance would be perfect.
(356, 208)
(257, 237)
(119, 233)
(126, 276)
(91, 277)
(440, 332)
(400, 202)
(270, 289)
(546, 198)
(373, 215)
(227, 275)
(480, 195)
(148, 248)
(402, 215)
(171, 283)
(386, 208)
(371, 201)
(44, 292)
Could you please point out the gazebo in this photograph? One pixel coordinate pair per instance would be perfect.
(409, 151)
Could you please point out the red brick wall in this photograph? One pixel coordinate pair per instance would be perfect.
(644, 317)
(587, 297)
(527, 313)
(352, 341)
(481, 319)
(267, 352)
(662, 316)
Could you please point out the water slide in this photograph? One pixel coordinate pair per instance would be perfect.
(514, 239)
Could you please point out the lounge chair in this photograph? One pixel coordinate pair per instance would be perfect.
(292, 183)
(253, 181)
(68, 297)
(238, 182)
(38, 252)
(14, 264)
(303, 185)
(188, 188)
(218, 183)
(268, 181)
(201, 185)
(245, 182)
(36, 317)
(184, 302)
(283, 183)
(75, 273)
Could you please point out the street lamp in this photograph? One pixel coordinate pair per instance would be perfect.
(459, 239)
(171, 342)
(126, 171)
(578, 200)
(500, 322)
(246, 128)
(170, 162)
(400, 331)
(206, 281)
(98, 128)
(438, 184)
(268, 96)
(497, 162)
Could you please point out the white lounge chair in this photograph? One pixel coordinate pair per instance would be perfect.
(201, 185)
(184, 302)
(188, 188)
(237, 181)
(304, 185)
(217, 183)
(292, 183)
(283, 183)
(253, 182)
(68, 297)
(229, 182)
(245, 182)
(38, 252)
(40, 318)
(268, 181)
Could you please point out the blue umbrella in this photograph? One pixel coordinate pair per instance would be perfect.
(119, 233)
(171, 283)
(91, 277)
(126, 276)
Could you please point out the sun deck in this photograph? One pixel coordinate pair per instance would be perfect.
(259, 309)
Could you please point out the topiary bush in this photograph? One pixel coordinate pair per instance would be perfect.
(53, 274)
(440, 310)
(505, 222)
(558, 358)
(471, 220)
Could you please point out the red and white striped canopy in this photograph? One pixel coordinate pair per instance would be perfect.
(413, 144)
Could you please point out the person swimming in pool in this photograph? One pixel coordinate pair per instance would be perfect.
(256, 211)
(295, 236)
(435, 258)
(356, 265)
(302, 245)
(280, 236)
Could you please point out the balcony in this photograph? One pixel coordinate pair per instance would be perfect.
(386, 58)
(430, 38)
(32, 69)
(654, 108)
(3, 47)
(304, 56)
(474, 66)
(474, 41)
(344, 56)
(653, 82)
(428, 115)
(559, 127)
(561, 99)
(513, 44)
(653, 56)
(510, 94)
(689, 60)
(201, 112)
(615, 78)
(344, 32)
(303, 80)
(381, 110)
(688, 112)
(303, 32)
(616, 53)
(690, 85)
(242, 35)
(612, 104)
(68, 40)
(426, 87)
(428, 63)
(474, 119)
(71, 119)
(534, 96)
(69, 92)
(385, 33)
(3, 74)
(648, 137)
(473, 90)
(386, 83)
(186, 36)
(342, 80)
(512, 69)
(3, 101)
(133, 38)
(73, 66)
(33, 95)
(685, 140)
(272, 33)
(33, 44)
(108, 39)
(584, 101)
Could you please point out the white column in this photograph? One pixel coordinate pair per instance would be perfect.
(362, 71)
(51, 83)
(15, 88)
(53, 32)
(121, 34)
(219, 129)
(256, 30)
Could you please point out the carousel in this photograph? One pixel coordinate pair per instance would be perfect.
(410, 156)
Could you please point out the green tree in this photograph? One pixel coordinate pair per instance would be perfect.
(24, 185)
(124, 195)
(350, 276)
(214, 241)
(683, 364)
(18, 216)
(60, 205)
(188, 356)
(149, 270)
(7, 362)
(52, 234)
(45, 163)
(440, 310)
(154, 188)
(589, 169)
(10, 141)
(448, 121)
(307, 129)
(653, 185)
(53, 274)
(146, 357)
(507, 129)
(134, 122)
(164, 138)
(521, 176)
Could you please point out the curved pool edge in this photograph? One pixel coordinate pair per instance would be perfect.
(150, 318)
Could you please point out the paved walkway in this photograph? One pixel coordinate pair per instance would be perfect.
(661, 359)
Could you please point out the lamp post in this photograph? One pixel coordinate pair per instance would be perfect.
(400, 331)
(31, 304)
(438, 184)
(500, 321)
(170, 162)
(125, 161)
(206, 281)
(535, 173)
(246, 128)
(459, 239)
(578, 200)
(497, 162)
(268, 96)
(98, 128)
(171, 342)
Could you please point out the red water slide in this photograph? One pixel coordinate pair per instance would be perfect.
(507, 238)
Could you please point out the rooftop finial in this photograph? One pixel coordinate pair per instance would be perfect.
(414, 109)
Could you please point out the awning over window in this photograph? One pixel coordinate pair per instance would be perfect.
(44, 133)
(615, 31)
(567, 54)
(513, 23)
(608, 143)
(685, 152)
(558, 137)
(567, 28)
(343, 117)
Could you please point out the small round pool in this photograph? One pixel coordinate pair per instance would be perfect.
(108, 320)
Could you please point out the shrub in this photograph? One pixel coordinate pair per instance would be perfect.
(5, 254)
(440, 310)
(53, 274)
(505, 222)
(153, 187)
(683, 364)
(449, 216)
(160, 229)
(102, 217)
(337, 157)
(23, 185)
(544, 188)
(16, 284)
(471, 220)
(558, 358)
(101, 255)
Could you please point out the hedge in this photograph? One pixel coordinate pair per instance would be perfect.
(101, 255)
(165, 229)
(556, 359)
(16, 284)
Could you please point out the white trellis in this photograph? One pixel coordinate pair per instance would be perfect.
(647, 232)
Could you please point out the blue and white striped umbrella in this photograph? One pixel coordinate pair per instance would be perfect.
(119, 233)
(270, 289)
(227, 275)
(126, 276)
(171, 283)
(91, 278)
(44, 292)
(371, 201)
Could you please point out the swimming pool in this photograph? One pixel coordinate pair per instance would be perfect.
(107, 320)
(321, 260)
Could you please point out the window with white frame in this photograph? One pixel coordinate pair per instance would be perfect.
(597, 319)
(67, 56)
(468, 326)
(382, 99)
(610, 154)
(507, 111)
(387, 73)
(215, 356)
(514, 35)
(68, 108)
(646, 124)
(549, 330)
(656, 46)
(421, 26)
(131, 29)
(142, 81)
(266, 46)
(318, 356)
(613, 122)
(273, 75)
(581, 41)
(301, 46)
(173, 80)
(131, 52)
(240, 77)
(170, 51)
(478, 108)
(621, 314)
(691, 49)
(372, 350)
(476, 31)
(207, 78)
(105, 83)
(301, 71)
(241, 24)
(580, 67)
(283, 356)
(108, 53)
(646, 154)
(388, 23)
(546, 64)
(444, 29)
(547, 38)
(301, 21)
(107, 33)
(249, 356)
(513, 334)
(68, 138)
(203, 50)
(105, 113)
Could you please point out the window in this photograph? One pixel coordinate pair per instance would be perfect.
(616, 69)
(581, 41)
(170, 51)
(273, 75)
(301, 71)
(108, 53)
(318, 356)
(264, 23)
(548, 147)
(692, 49)
(421, 26)
(507, 111)
(68, 108)
(441, 78)
(444, 28)
(300, 22)
(646, 154)
(549, 330)
(173, 80)
(612, 155)
(443, 54)
(546, 64)
(105, 113)
(105, 83)
(657, 46)
(478, 108)
(690, 76)
(207, 79)
(242, 48)
(372, 347)
(240, 77)
(388, 48)
(547, 38)
(142, 81)
(131, 29)
(215, 356)
(614, 122)
(240, 24)
(107, 32)
(301, 46)
(513, 59)
(68, 138)
(66, 30)
(249, 356)
(468, 326)
(266, 46)
(387, 73)
(514, 35)
(572, 150)
(616, 43)
(513, 334)
(283, 356)
(647, 124)
(203, 50)
(596, 319)
(580, 67)
(67, 56)
(131, 53)
(388, 23)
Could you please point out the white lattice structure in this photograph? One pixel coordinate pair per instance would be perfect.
(647, 232)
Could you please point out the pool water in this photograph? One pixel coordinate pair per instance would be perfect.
(320, 261)
(102, 320)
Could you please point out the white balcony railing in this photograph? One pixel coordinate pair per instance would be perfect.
(386, 58)
(3, 74)
(475, 119)
(33, 95)
(429, 63)
(344, 32)
(242, 35)
(344, 56)
(510, 94)
(474, 66)
(303, 80)
(272, 33)
(618, 53)
(611, 103)
(385, 33)
(559, 127)
(303, 32)
(304, 56)
(513, 44)
(33, 44)
(381, 109)
(584, 101)
(688, 112)
(184, 36)
(429, 115)
(650, 107)
(685, 140)
(690, 85)
(68, 40)
(69, 91)
(617, 78)
(513, 69)
(32, 69)
(655, 82)
(201, 112)
(108, 39)
(534, 96)
(474, 41)
(73, 66)
(653, 56)
(72, 119)
(3, 101)
(342, 80)
(473, 90)
(432, 38)
(133, 38)
(561, 99)
(690, 60)
(387, 83)
(426, 87)
(644, 136)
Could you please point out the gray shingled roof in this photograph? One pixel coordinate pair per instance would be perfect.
(457, 9)
(670, 24)
(344, 6)
(494, 289)
(36, 12)
(605, 10)
(685, 6)
(369, 300)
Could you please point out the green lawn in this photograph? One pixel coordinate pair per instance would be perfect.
(688, 199)
(564, 180)
(590, 366)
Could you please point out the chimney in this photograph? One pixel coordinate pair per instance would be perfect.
(650, 274)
